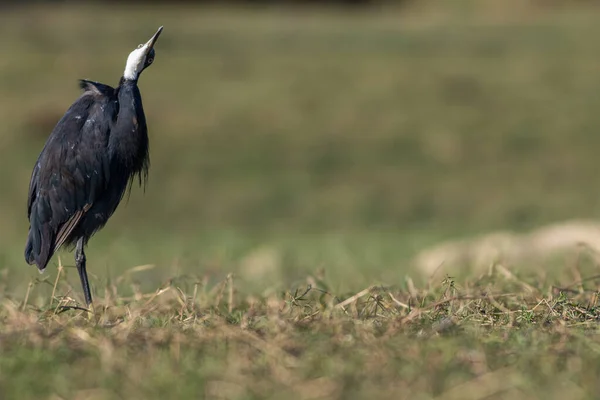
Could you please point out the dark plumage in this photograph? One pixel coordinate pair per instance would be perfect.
(93, 154)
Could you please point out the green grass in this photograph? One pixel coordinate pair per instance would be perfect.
(313, 147)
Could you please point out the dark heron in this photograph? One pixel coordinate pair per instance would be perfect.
(93, 154)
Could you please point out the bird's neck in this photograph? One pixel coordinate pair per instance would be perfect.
(127, 81)
(129, 137)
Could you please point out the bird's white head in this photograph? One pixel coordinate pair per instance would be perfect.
(141, 58)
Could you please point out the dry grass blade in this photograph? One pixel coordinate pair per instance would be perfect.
(29, 287)
(509, 275)
(58, 275)
(230, 298)
(156, 294)
(357, 296)
(131, 271)
(399, 303)
(220, 290)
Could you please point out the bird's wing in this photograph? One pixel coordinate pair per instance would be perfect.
(96, 87)
(66, 228)
(73, 169)
(32, 187)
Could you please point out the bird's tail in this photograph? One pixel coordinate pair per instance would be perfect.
(37, 249)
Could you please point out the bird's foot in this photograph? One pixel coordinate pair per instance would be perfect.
(90, 311)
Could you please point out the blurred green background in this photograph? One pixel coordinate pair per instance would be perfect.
(316, 138)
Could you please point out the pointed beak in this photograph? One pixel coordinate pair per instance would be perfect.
(150, 43)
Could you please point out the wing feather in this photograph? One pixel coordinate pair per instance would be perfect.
(71, 172)
(66, 228)
(32, 187)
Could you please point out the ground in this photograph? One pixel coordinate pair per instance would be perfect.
(495, 337)
(299, 159)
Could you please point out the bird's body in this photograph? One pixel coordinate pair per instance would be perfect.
(83, 171)
(95, 151)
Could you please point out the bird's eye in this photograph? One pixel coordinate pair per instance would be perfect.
(149, 60)
(140, 46)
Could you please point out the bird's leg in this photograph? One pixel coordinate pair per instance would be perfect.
(80, 262)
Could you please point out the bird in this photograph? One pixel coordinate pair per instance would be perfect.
(92, 156)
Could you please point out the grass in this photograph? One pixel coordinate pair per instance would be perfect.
(494, 336)
(299, 159)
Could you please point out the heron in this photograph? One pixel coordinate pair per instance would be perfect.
(92, 156)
